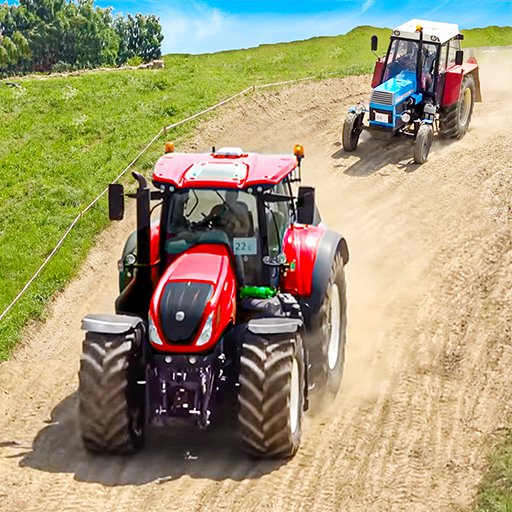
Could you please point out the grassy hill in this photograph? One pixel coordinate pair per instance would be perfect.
(62, 140)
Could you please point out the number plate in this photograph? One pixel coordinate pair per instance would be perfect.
(245, 246)
(381, 118)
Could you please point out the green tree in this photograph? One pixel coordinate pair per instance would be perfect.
(10, 48)
(4, 58)
(39, 34)
(139, 36)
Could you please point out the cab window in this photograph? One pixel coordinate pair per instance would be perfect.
(454, 46)
(277, 217)
(443, 57)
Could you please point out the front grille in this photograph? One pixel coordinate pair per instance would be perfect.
(181, 309)
(382, 97)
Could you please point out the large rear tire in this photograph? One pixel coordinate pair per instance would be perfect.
(111, 403)
(327, 337)
(423, 143)
(271, 395)
(352, 128)
(455, 119)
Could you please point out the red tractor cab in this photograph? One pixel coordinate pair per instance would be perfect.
(236, 294)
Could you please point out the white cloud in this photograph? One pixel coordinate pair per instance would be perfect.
(192, 30)
(367, 5)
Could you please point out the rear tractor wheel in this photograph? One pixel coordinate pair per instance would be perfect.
(327, 336)
(455, 118)
(352, 128)
(423, 143)
(271, 395)
(111, 402)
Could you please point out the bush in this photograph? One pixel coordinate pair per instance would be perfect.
(61, 67)
(135, 61)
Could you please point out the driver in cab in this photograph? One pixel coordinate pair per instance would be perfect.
(231, 215)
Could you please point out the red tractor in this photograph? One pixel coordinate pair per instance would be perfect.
(235, 295)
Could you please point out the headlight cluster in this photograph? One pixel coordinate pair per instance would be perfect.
(204, 337)
(206, 333)
(153, 333)
(406, 117)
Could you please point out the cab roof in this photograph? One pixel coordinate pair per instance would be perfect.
(434, 31)
(223, 169)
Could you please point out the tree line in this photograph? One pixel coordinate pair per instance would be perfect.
(45, 35)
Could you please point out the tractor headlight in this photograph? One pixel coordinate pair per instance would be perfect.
(406, 117)
(206, 333)
(153, 333)
(130, 259)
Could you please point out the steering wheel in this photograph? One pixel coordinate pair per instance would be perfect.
(207, 222)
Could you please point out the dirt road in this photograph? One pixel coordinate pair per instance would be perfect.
(427, 383)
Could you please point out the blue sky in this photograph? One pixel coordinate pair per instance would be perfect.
(195, 26)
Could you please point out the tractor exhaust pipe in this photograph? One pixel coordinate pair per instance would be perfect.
(143, 278)
(418, 64)
(143, 220)
(136, 297)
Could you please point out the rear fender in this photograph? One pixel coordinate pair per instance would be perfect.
(332, 243)
(313, 249)
(453, 81)
(300, 247)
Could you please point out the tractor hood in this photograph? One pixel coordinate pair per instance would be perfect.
(395, 90)
(194, 301)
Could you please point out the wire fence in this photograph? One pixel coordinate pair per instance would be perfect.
(127, 168)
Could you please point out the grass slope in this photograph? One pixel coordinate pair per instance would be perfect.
(496, 488)
(62, 140)
(489, 36)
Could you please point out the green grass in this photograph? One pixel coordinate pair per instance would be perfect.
(62, 140)
(489, 36)
(496, 488)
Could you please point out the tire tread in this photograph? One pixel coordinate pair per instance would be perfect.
(265, 372)
(103, 388)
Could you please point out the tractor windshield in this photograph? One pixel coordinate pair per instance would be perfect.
(231, 211)
(403, 57)
(216, 216)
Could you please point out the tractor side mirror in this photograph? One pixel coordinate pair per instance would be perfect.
(115, 201)
(375, 42)
(306, 205)
(459, 57)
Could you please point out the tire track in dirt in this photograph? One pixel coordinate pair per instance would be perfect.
(426, 385)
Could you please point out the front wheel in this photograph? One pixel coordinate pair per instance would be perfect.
(271, 394)
(352, 128)
(111, 402)
(423, 143)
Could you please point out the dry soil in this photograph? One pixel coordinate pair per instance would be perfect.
(427, 381)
